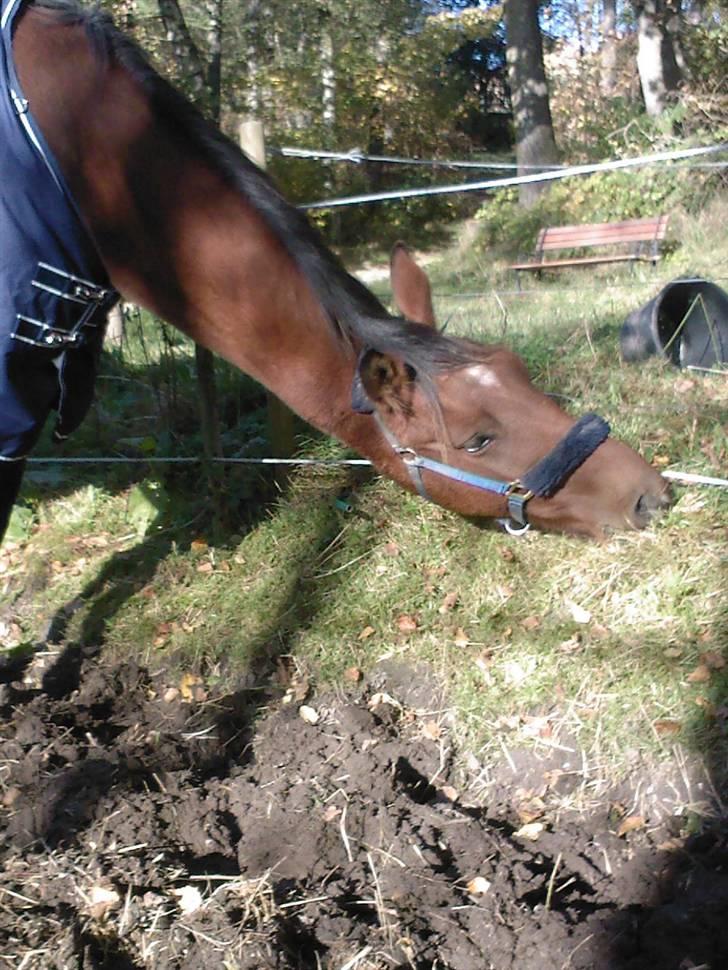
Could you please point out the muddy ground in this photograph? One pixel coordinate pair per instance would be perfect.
(154, 826)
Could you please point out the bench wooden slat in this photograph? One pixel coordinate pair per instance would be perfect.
(595, 237)
(585, 261)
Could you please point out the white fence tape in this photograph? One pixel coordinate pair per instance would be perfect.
(683, 478)
(357, 157)
(549, 176)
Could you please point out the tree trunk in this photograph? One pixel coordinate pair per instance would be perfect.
(656, 62)
(535, 142)
(673, 31)
(609, 47)
(115, 326)
(328, 82)
(252, 96)
(213, 75)
(184, 48)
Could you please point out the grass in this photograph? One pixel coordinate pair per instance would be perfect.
(614, 650)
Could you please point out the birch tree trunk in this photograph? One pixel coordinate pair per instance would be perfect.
(656, 63)
(609, 47)
(535, 142)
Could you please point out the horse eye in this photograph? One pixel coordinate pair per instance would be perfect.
(476, 444)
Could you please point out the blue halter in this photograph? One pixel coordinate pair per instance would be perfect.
(543, 479)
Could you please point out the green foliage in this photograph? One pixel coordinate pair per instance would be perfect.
(602, 197)
(706, 47)
(146, 505)
(20, 525)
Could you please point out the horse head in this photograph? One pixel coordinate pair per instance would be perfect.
(486, 419)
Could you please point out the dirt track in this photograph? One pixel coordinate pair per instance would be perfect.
(144, 830)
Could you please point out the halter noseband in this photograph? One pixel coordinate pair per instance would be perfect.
(544, 478)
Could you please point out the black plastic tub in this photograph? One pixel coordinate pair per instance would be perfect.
(687, 322)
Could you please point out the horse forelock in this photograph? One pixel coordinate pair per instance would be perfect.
(352, 309)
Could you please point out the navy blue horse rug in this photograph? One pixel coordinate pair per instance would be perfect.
(54, 292)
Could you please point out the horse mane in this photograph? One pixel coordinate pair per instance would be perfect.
(353, 310)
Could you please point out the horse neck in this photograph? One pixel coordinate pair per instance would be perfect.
(177, 239)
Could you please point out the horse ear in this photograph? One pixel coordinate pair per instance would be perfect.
(360, 401)
(382, 380)
(410, 286)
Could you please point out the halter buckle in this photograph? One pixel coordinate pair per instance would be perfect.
(517, 495)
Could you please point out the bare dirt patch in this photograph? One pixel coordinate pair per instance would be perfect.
(145, 829)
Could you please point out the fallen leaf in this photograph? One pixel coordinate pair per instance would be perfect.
(478, 886)
(308, 714)
(683, 385)
(666, 727)
(531, 831)
(531, 623)
(367, 632)
(461, 638)
(572, 645)
(529, 809)
(189, 686)
(353, 675)
(391, 549)
(630, 824)
(102, 901)
(700, 675)
(189, 898)
(449, 603)
(672, 653)
(537, 727)
(431, 730)
(709, 708)
(11, 796)
(712, 660)
(406, 623)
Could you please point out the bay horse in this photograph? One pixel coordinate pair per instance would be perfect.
(186, 226)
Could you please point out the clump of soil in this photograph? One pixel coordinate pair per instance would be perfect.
(144, 827)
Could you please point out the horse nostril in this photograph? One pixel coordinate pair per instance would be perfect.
(649, 504)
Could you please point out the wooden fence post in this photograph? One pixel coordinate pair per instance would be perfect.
(115, 326)
(280, 418)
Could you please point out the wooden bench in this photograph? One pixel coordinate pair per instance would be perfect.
(634, 240)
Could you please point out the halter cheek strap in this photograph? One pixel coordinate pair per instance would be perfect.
(544, 478)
